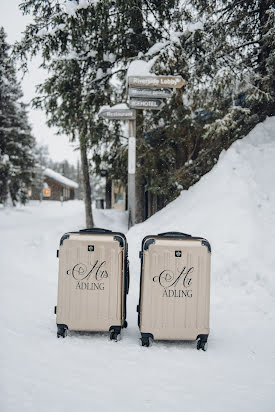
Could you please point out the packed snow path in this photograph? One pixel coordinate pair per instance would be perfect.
(232, 206)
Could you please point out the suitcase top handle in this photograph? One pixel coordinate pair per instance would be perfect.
(174, 234)
(95, 230)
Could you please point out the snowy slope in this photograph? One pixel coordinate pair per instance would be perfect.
(232, 206)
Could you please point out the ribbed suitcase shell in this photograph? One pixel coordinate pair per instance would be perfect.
(174, 287)
(92, 281)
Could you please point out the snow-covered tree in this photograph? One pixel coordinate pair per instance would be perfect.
(73, 39)
(84, 45)
(16, 141)
(224, 50)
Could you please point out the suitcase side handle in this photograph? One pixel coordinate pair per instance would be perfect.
(127, 277)
(95, 230)
(174, 234)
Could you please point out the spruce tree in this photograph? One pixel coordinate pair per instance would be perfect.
(16, 141)
(75, 43)
(225, 52)
(84, 45)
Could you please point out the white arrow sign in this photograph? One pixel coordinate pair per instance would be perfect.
(156, 81)
(118, 114)
(150, 92)
(140, 103)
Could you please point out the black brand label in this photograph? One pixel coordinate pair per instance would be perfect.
(91, 248)
(178, 253)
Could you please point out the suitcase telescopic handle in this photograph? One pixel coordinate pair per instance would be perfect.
(174, 234)
(95, 230)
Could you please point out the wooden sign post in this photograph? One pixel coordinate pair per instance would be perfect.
(147, 93)
(130, 115)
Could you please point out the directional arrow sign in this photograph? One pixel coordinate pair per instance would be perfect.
(156, 81)
(118, 114)
(140, 103)
(152, 92)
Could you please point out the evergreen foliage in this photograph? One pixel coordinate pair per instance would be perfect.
(225, 52)
(224, 49)
(16, 141)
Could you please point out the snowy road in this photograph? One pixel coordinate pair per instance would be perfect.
(89, 372)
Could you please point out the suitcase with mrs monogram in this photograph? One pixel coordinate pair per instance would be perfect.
(174, 288)
(93, 282)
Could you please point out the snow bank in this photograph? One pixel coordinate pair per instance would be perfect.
(234, 207)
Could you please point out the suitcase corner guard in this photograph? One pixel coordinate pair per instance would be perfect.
(205, 242)
(65, 236)
(147, 243)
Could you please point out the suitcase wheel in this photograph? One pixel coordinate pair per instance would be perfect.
(202, 345)
(125, 324)
(61, 331)
(146, 341)
(115, 335)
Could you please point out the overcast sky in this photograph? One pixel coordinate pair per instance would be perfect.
(14, 23)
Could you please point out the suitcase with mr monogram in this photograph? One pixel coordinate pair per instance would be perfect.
(174, 288)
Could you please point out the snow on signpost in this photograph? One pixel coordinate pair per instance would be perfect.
(146, 91)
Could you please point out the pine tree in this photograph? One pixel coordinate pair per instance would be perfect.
(223, 49)
(231, 74)
(225, 52)
(142, 25)
(84, 45)
(16, 141)
(76, 47)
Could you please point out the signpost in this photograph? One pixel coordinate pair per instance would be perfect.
(145, 103)
(146, 92)
(158, 93)
(156, 81)
(118, 114)
(130, 115)
(132, 173)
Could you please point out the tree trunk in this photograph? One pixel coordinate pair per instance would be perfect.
(5, 191)
(108, 193)
(86, 184)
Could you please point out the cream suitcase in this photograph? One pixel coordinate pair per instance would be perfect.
(174, 288)
(93, 282)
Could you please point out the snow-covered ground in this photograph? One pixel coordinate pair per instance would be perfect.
(233, 206)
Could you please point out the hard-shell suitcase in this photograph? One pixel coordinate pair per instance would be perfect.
(93, 282)
(174, 288)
